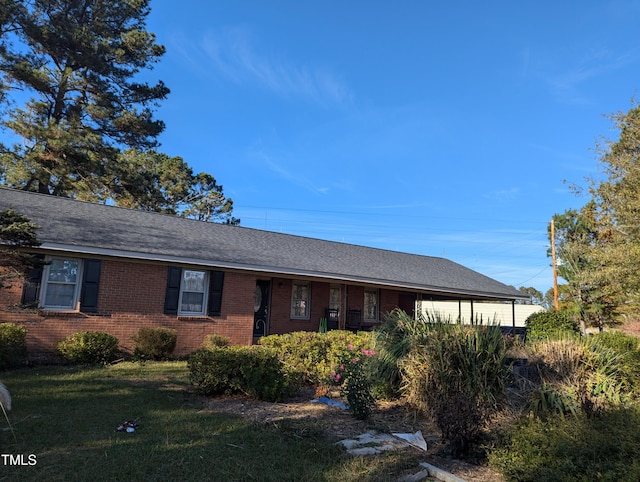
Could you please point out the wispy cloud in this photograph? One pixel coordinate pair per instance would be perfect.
(567, 84)
(503, 194)
(235, 55)
(289, 172)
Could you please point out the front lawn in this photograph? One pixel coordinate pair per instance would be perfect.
(67, 418)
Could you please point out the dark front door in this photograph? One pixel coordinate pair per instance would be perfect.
(261, 308)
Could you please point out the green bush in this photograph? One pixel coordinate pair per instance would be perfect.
(154, 343)
(309, 357)
(215, 341)
(393, 341)
(254, 371)
(354, 374)
(549, 324)
(570, 449)
(625, 349)
(458, 376)
(358, 390)
(91, 347)
(13, 345)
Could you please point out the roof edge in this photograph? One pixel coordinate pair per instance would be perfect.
(125, 254)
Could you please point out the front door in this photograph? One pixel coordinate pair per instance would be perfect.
(261, 309)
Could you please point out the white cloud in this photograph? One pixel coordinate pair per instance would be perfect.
(234, 55)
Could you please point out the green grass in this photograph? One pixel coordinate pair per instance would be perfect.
(67, 416)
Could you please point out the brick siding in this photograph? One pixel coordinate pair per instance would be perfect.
(131, 296)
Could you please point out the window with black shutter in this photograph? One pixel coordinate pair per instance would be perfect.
(172, 294)
(215, 293)
(185, 296)
(90, 286)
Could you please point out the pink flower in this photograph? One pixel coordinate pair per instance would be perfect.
(350, 347)
(341, 367)
(337, 377)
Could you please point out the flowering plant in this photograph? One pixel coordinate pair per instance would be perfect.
(353, 375)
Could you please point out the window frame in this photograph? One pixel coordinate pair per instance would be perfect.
(376, 294)
(46, 283)
(335, 288)
(205, 293)
(307, 301)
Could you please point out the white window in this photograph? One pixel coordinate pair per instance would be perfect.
(300, 301)
(370, 305)
(61, 284)
(193, 292)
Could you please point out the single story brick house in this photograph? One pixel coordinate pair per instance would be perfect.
(116, 270)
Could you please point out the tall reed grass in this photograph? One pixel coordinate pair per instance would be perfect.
(455, 373)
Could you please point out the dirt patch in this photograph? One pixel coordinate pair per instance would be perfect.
(339, 424)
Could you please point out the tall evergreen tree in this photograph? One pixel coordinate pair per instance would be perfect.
(16, 234)
(77, 61)
(152, 181)
(87, 129)
(599, 245)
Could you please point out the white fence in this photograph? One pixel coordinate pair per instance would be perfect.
(501, 313)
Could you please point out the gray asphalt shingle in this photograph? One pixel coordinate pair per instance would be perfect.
(99, 229)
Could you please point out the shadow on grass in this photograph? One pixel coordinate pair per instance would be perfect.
(67, 418)
(606, 447)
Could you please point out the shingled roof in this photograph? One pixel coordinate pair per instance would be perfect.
(96, 229)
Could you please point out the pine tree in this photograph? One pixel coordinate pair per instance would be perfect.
(78, 62)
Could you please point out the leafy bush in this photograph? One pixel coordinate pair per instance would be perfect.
(457, 376)
(215, 341)
(549, 324)
(254, 371)
(570, 449)
(90, 347)
(354, 375)
(309, 357)
(13, 345)
(585, 375)
(154, 343)
(627, 353)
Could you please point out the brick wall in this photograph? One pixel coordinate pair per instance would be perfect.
(131, 296)
(280, 320)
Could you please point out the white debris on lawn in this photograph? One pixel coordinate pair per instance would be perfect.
(374, 442)
(415, 439)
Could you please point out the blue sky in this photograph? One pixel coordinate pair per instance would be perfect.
(437, 128)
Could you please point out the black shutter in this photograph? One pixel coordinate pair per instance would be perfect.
(31, 286)
(215, 293)
(90, 285)
(172, 295)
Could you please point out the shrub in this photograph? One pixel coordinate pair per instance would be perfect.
(90, 347)
(627, 351)
(549, 324)
(570, 449)
(309, 357)
(154, 343)
(393, 341)
(254, 371)
(215, 341)
(353, 374)
(458, 376)
(13, 345)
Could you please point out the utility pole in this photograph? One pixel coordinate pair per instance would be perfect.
(553, 260)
